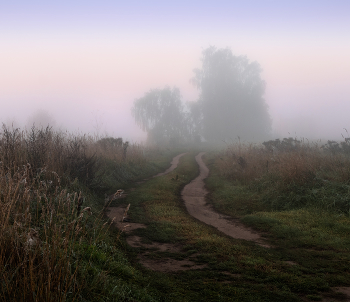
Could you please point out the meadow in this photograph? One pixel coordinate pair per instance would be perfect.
(56, 243)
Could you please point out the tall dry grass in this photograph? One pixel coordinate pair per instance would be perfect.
(291, 169)
(42, 219)
(70, 156)
(39, 228)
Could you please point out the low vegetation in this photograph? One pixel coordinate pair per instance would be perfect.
(308, 258)
(56, 244)
(291, 174)
(297, 194)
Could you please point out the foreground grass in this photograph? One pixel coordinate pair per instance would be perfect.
(236, 270)
(55, 244)
(82, 258)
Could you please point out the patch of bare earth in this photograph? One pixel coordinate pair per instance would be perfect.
(194, 196)
(163, 264)
(167, 265)
(344, 290)
(136, 241)
(290, 262)
(337, 294)
(116, 215)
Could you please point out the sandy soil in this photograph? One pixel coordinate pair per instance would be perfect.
(194, 196)
(136, 241)
(327, 298)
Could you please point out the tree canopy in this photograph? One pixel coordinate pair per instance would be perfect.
(230, 105)
(231, 97)
(160, 113)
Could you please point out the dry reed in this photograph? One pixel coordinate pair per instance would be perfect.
(41, 219)
(294, 170)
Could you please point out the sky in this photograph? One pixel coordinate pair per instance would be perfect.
(85, 62)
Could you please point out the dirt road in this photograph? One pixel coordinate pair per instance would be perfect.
(174, 163)
(194, 196)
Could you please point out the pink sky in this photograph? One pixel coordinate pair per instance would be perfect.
(86, 65)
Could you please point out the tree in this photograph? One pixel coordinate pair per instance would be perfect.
(231, 97)
(160, 113)
(193, 122)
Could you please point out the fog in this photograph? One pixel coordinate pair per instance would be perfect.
(80, 67)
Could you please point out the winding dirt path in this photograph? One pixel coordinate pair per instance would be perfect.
(145, 257)
(116, 213)
(194, 196)
(174, 163)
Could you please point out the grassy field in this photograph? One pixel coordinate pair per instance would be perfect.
(57, 245)
(309, 258)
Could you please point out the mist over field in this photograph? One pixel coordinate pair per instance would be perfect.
(174, 150)
(82, 67)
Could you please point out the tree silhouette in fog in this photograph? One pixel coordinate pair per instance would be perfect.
(230, 104)
(231, 97)
(160, 113)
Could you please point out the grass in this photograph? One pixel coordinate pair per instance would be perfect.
(297, 217)
(309, 228)
(55, 244)
(310, 254)
(295, 175)
(52, 249)
(261, 275)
